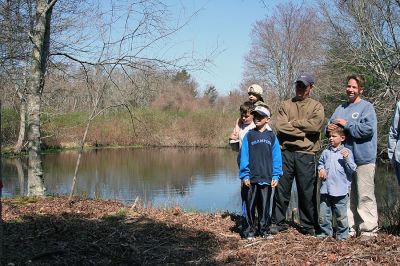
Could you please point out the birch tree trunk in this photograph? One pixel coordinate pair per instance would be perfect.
(22, 125)
(41, 44)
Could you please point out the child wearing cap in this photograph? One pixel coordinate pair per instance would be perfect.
(255, 92)
(245, 122)
(335, 167)
(260, 170)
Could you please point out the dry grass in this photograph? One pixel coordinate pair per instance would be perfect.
(201, 128)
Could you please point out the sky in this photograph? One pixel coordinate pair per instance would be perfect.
(225, 25)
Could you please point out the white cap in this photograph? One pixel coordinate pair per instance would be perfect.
(255, 89)
(262, 111)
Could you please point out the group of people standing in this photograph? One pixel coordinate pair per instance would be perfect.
(274, 159)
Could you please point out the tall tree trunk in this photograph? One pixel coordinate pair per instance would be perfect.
(35, 169)
(22, 126)
(41, 45)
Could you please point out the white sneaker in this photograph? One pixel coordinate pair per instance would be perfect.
(352, 232)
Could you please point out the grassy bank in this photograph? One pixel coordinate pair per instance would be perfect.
(146, 127)
(51, 231)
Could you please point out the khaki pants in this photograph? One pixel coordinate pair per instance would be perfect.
(362, 211)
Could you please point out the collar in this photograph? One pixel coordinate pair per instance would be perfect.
(336, 149)
(266, 127)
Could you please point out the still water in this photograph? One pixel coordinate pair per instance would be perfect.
(194, 179)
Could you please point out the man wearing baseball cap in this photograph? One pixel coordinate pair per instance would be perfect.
(298, 125)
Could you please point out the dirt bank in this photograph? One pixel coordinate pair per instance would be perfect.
(50, 231)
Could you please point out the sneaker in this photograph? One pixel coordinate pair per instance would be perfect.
(267, 236)
(322, 236)
(249, 236)
(352, 232)
(307, 231)
(275, 228)
(367, 236)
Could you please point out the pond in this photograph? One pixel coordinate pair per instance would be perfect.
(194, 179)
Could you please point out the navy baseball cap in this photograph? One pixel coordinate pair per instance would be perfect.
(306, 79)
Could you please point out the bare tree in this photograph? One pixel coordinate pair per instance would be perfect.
(365, 35)
(283, 45)
(144, 28)
(16, 20)
(125, 37)
(41, 44)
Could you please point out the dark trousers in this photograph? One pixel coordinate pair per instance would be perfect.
(397, 170)
(302, 168)
(257, 197)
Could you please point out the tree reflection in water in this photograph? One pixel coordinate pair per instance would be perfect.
(198, 179)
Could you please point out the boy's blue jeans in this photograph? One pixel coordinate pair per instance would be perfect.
(338, 206)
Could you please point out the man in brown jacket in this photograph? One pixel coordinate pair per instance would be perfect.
(298, 125)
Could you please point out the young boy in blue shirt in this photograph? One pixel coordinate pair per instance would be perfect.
(260, 170)
(336, 167)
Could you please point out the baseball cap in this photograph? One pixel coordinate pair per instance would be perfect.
(255, 88)
(262, 111)
(306, 79)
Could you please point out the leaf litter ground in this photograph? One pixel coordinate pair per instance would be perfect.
(52, 231)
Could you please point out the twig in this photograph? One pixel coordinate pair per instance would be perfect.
(252, 244)
(135, 203)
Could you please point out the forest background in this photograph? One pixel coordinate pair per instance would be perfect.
(84, 73)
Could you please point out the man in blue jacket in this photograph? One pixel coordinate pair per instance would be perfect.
(393, 141)
(260, 170)
(358, 118)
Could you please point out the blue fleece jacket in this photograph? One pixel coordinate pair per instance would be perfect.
(361, 130)
(260, 157)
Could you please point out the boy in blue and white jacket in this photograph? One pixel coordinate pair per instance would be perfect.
(260, 170)
(336, 167)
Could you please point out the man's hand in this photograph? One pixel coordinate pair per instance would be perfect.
(274, 183)
(341, 121)
(247, 182)
(332, 127)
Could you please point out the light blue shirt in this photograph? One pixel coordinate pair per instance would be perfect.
(361, 130)
(339, 171)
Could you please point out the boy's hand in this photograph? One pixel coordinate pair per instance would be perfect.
(322, 174)
(274, 183)
(234, 135)
(344, 153)
(246, 182)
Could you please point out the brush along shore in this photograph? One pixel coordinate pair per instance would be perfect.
(53, 231)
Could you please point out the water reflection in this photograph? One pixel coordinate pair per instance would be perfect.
(197, 179)
(201, 179)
